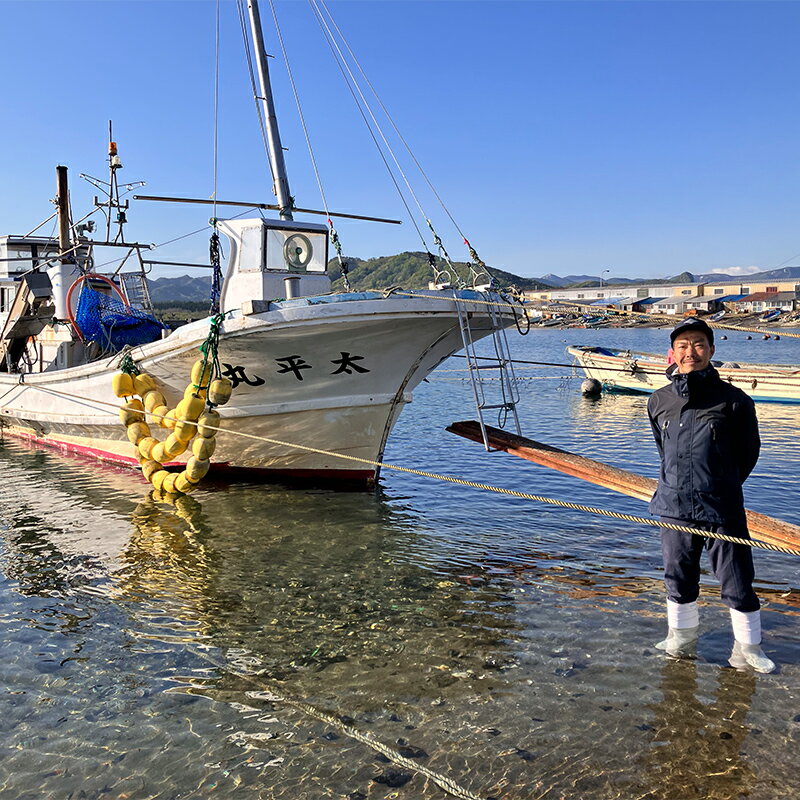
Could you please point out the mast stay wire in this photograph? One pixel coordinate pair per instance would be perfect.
(472, 252)
(343, 266)
(362, 104)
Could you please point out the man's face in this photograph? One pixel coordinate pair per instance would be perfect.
(691, 351)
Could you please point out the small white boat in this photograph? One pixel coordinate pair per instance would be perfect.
(631, 371)
(717, 317)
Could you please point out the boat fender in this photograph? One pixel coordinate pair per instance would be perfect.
(591, 387)
(203, 448)
(158, 416)
(142, 384)
(122, 384)
(153, 399)
(146, 446)
(190, 408)
(132, 411)
(149, 468)
(201, 373)
(196, 468)
(183, 484)
(195, 391)
(138, 431)
(174, 446)
(168, 484)
(157, 478)
(208, 418)
(219, 392)
(185, 430)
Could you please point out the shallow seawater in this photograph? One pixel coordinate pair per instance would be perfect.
(427, 641)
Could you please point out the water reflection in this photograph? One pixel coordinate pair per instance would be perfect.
(696, 746)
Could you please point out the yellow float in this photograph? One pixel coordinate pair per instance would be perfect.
(193, 418)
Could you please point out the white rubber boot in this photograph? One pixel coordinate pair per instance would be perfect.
(747, 650)
(750, 655)
(684, 627)
(680, 642)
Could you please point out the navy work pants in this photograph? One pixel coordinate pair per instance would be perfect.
(732, 564)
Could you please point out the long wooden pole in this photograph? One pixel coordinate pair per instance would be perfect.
(762, 527)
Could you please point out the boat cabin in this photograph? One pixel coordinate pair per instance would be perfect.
(19, 255)
(273, 260)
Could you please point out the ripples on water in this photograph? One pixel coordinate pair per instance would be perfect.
(158, 652)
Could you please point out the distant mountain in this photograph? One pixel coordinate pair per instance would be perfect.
(780, 274)
(412, 271)
(582, 281)
(184, 289)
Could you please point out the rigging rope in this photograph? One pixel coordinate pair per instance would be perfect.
(114, 409)
(473, 254)
(350, 81)
(343, 265)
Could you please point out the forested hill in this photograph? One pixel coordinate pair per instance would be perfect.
(410, 271)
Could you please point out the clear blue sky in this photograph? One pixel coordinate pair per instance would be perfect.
(569, 137)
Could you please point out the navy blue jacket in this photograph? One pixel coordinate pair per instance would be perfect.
(706, 432)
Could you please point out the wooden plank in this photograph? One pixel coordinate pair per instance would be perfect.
(762, 527)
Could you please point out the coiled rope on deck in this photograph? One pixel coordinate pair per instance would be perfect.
(473, 484)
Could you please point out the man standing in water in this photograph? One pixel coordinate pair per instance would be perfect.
(706, 432)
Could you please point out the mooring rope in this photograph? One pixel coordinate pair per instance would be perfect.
(464, 482)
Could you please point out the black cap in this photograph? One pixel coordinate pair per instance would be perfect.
(692, 324)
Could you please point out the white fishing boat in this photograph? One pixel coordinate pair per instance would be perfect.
(631, 371)
(316, 374)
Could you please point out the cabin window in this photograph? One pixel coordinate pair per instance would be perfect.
(296, 250)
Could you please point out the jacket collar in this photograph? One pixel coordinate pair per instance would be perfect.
(688, 384)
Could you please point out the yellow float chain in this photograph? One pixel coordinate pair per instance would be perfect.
(485, 486)
(186, 480)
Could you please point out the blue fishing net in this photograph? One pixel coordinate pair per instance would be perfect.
(111, 324)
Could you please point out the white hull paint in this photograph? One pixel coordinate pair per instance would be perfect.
(332, 376)
(620, 370)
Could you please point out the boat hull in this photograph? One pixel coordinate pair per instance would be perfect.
(317, 388)
(630, 371)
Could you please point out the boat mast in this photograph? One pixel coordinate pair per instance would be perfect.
(281, 182)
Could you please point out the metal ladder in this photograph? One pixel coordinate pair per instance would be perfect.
(134, 287)
(501, 393)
